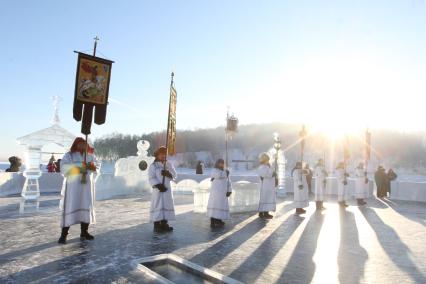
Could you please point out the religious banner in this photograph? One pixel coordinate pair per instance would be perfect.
(171, 127)
(91, 90)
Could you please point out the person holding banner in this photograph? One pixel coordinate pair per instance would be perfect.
(320, 184)
(342, 183)
(267, 176)
(218, 207)
(160, 174)
(361, 184)
(78, 197)
(300, 187)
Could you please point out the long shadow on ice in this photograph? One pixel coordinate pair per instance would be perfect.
(301, 267)
(412, 210)
(352, 257)
(392, 244)
(221, 249)
(253, 266)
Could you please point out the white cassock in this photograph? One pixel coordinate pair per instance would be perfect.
(301, 196)
(341, 187)
(77, 202)
(320, 178)
(267, 200)
(162, 207)
(218, 206)
(360, 185)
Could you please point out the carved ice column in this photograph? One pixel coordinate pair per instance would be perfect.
(281, 174)
(32, 173)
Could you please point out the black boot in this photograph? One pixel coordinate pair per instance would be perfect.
(84, 235)
(300, 211)
(63, 237)
(360, 202)
(220, 222)
(157, 227)
(213, 223)
(267, 215)
(261, 215)
(166, 226)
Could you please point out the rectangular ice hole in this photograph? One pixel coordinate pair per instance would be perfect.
(169, 268)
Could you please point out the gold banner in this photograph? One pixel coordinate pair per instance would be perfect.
(171, 134)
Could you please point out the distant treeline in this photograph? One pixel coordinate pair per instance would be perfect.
(396, 149)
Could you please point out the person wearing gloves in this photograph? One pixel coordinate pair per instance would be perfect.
(77, 202)
(268, 183)
(342, 182)
(320, 184)
(218, 207)
(300, 187)
(361, 184)
(162, 208)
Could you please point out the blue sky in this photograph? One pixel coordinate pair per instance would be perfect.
(291, 61)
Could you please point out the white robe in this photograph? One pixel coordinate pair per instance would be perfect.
(320, 178)
(341, 188)
(301, 196)
(360, 185)
(162, 207)
(77, 202)
(218, 206)
(267, 200)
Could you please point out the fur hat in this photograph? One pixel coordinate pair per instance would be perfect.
(264, 158)
(160, 150)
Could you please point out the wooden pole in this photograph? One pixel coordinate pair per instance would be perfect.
(168, 127)
(84, 176)
(226, 149)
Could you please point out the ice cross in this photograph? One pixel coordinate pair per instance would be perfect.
(56, 100)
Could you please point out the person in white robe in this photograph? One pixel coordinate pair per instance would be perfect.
(218, 207)
(300, 188)
(342, 182)
(268, 183)
(320, 183)
(77, 202)
(361, 184)
(162, 207)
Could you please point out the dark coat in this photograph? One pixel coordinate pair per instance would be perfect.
(382, 182)
(199, 169)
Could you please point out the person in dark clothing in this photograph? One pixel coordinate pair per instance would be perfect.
(309, 176)
(382, 182)
(58, 166)
(199, 168)
(391, 177)
(15, 164)
(51, 166)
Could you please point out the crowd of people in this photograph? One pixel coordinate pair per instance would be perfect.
(78, 192)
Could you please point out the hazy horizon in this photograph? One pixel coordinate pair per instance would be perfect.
(296, 127)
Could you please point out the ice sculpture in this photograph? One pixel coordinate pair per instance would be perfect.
(130, 175)
(34, 144)
(244, 198)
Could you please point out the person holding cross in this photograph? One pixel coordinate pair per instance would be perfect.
(160, 174)
(77, 201)
(267, 177)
